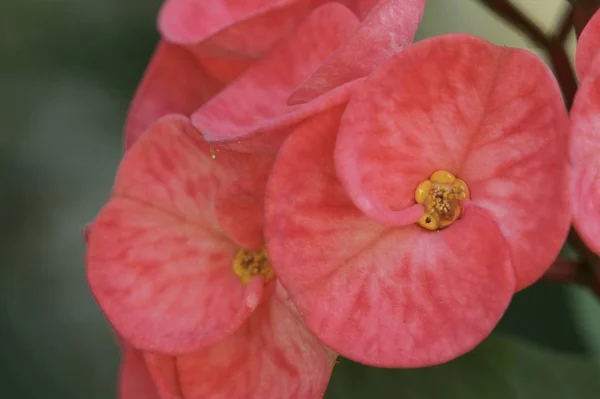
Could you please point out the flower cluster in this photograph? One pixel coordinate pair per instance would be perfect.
(301, 181)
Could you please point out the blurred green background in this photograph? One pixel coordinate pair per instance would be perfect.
(68, 69)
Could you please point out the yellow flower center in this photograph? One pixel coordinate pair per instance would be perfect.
(250, 263)
(441, 195)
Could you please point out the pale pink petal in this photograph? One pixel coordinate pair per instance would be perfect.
(585, 118)
(271, 356)
(586, 202)
(135, 381)
(492, 116)
(158, 263)
(258, 99)
(585, 147)
(393, 297)
(588, 46)
(174, 82)
(242, 27)
(387, 30)
(247, 28)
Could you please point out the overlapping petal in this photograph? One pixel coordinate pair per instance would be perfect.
(388, 29)
(492, 116)
(272, 355)
(175, 81)
(395, 297)
(588, 47)
(248, 28)
(158, 261)
(242, 27)
(257, 101)
(135, 381)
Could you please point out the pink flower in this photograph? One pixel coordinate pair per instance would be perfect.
(175, 261)
(176, 257)
(465, 138)
(207, 45)
(585, 142)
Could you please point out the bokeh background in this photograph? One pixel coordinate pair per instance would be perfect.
(68, 69)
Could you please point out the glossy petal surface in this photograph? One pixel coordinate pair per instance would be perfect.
(394, 297)
(490, 115)
(258, 99)
(271, 356)
(387, 30)
(158, 262)
(588, 47)
(174, 82)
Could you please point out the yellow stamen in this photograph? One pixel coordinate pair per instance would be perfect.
(441, 195)
(249, 263)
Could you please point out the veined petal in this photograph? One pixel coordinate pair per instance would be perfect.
(392, 297)
(490, 115)
(174, 82)
(388, 28)
(158, 262)
(585, 118)
(240, 205)
(585, 147)
(271, 356)
(588, 46)
(258, 99)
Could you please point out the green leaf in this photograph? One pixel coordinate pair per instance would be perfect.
(500, 368)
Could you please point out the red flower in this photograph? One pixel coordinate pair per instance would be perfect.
(175, 260)
(465, 138)
(208, 44)
(585, 142)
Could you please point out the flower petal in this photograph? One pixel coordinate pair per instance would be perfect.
(588, 46)
(585, 118)
(174, 82)
(585, 145)
(490, 115)
(271, 356)
(135, 381)
(518, 166)
(163, 370)
(240, 205)
(158, 262)
(387, 30)
(586, 203)
(242, 27)
(392, 297)
(258, 99)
